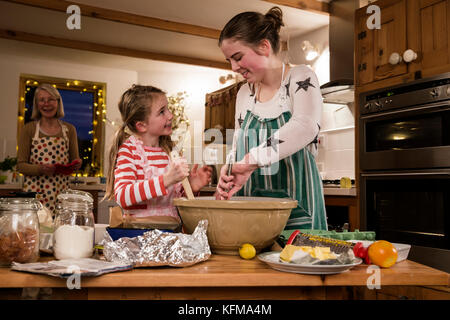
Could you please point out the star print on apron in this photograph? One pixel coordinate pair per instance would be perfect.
(295, 177)
(48, 150)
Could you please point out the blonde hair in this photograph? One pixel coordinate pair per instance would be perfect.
(133, 107)
(36, 114)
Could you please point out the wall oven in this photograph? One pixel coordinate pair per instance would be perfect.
(407, 126)
(405, 167)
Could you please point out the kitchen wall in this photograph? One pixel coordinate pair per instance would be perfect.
(18, 58)
(336, 157)
(196, 81)
(321, 65)
(119, 73)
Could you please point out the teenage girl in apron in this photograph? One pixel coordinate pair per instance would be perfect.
(295, 176)
(277, 121)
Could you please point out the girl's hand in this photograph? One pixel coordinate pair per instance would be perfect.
(200, 177)
(178, 170)
(47, 169)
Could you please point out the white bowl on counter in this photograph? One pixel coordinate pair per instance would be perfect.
(402, 248)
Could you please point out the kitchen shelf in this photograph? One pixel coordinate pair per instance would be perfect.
(337, 129)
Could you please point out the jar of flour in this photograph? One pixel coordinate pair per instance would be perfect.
(74, 237)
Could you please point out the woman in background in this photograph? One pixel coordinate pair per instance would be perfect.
(44, 142)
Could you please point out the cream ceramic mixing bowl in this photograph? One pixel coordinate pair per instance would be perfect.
(231, 223)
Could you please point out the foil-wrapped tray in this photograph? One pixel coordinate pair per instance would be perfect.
(157, 248)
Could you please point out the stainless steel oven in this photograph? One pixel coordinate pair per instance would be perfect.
(405, 167)
(407, 126)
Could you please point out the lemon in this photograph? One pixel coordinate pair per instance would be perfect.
(247, 251)
(346, 183)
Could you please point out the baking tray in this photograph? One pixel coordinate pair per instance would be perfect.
(117, 233)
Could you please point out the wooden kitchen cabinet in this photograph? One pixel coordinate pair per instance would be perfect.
(220, 108)
(402, 293)
(224, 277)
(419, 25)
(350, 203)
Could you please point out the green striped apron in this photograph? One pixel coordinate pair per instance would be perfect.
(295, 177)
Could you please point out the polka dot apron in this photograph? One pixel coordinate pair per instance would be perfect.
(48, 150)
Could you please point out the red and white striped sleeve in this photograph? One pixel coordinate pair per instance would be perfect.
(130, 186)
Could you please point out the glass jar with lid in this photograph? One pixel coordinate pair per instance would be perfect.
(74, 225)
(19, 230)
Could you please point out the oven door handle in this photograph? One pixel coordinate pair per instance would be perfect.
(435, 173)
(438, 105)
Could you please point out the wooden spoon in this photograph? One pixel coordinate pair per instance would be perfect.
(185, 182)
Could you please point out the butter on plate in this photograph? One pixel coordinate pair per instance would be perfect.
(305, 254)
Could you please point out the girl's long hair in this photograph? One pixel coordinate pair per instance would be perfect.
(133, 107)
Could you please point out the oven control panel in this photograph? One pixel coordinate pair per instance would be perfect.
(419, 92)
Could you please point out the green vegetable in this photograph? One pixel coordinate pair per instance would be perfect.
(8, 164)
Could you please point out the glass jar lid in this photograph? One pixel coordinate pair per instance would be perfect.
(75, 196)
(19, 204)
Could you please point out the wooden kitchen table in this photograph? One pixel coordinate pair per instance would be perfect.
(227, 277)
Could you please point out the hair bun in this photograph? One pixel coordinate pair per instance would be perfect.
(275, 15)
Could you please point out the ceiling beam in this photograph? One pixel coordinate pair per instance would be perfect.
(96, 47)
(307, 5)
(123, 17)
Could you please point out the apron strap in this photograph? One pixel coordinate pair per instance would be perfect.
(36, 133)
(65, 130)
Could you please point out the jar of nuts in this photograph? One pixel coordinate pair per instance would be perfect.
(19, 230)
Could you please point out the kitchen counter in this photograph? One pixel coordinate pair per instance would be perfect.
(224, 277)
(327, 190)
(12, 186)
(93, 189)
(88, 187)
(18, 186)
(337, 191)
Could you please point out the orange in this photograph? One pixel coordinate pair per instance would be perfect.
(382, 253)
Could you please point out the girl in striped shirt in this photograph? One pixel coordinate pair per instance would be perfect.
(142, 178)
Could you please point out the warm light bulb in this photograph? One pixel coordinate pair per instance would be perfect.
(311, 55)
(311, 52)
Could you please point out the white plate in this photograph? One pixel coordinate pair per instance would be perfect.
(273, 260)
